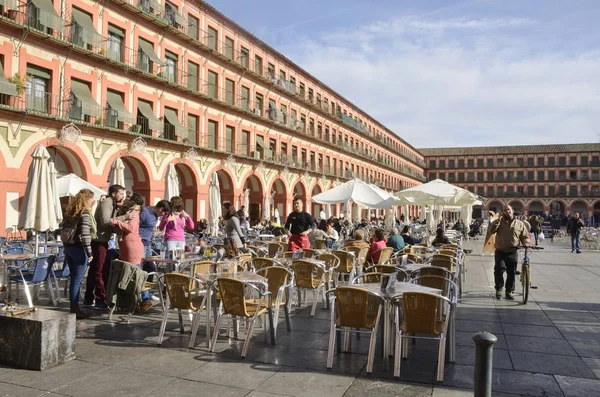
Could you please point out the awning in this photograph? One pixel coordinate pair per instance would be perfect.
(38, 72)
(260, 142)
(82, 93)
(116, 31)
(172, 118)
(6, 87)
(146, 109)
(48, 16)
(84, 20)
(147, 49)
(116, 103)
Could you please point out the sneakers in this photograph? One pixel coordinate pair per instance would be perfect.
(144, 306)
(498, 294)
(510, 295)
(572, 251)
(579, 252)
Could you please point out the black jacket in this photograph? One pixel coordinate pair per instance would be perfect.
(574, 225)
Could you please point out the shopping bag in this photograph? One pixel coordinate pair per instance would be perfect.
(488, 246)
(541, 237)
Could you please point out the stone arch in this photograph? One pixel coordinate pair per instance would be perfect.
(315, 207)
(278, 199)
(558, 207)
(579, 206)
(596, 209)
(256, 190)
(188, 187)
(495, 205)
(535, 207)
(226, 185)
(518, 206)
(67, 161)
(137, 177)
(299, 191)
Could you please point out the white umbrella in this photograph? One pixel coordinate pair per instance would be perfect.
(214, 205)
(70, 185)
(116, 176)
(437, 192)
(172, 184)
(55, 197)
(356, 213)
(246, 203)
(328, 211)
(39, 205)
(266, 212)
(358, 192)
(276, 216)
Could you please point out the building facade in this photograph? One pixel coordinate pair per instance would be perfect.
(157, 82)
(556, 180)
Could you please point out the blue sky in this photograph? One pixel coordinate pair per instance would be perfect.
(448, 73)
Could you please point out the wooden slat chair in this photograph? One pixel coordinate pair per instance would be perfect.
(275, 248)
(310, 253)
(346, 267)
(261, 263)
(180, 290)
(420, 315)
(309, 276)
(280, 282)
(355, 310)
(286, 255)
(412, 258)
(244, 261)
(360, 254)
(235, 304)
(385, 255)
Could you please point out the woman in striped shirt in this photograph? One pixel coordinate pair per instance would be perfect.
(78, 253)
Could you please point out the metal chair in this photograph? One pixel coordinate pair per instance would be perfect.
(360, 255)
(310, 253)
(280, 282)
(309, 276)
(243, 261)
(355, 310)
(58, 275)
(320, 244)
(286, 255)
(420, 315)
(347, 265)
(39, 275)
(332, 262)
(180, 289)
(261, 263)
(235, 304)
(384, 255)
(274, 249)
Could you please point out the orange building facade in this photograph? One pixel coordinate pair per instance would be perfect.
(556, 180)
(158, 83)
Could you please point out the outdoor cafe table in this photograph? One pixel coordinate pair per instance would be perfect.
(210, 279)
(178, 263)
(388, 295)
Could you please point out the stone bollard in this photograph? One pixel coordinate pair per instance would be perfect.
(484, 343)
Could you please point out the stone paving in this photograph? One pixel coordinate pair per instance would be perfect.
(549, 347)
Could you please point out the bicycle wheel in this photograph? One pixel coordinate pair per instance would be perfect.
(525, 282)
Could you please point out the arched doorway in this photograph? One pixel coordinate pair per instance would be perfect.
(579, 207)
(255, 198)
(300, 193)
(67, 162)
(557, 209)
(536, 208)
(278, 199)
(226, 187)
(188, 188)
(517, 207)
(315, 207)
(495, 206)
(137, 178)
(597, 213)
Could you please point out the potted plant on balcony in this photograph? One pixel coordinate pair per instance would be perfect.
(13, 14)
(99, 121)
(20, 83)
(136, 128)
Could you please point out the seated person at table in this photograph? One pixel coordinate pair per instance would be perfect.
(395, 240)
(440, 238)
(408, 239)
(316, 234)
(359, 240)
(378, 243)
(332, 234)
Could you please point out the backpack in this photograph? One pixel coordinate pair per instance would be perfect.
(68, 229)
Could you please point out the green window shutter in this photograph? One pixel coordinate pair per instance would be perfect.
(192, 76)
(212, 134)
(229, 139)
(38, 72)
(229, 91)
(212, 85)
(192, 126)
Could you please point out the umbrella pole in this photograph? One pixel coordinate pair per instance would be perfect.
(37, 243)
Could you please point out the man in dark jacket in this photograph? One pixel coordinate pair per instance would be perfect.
(574, 229)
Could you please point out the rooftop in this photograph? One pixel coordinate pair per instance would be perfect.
(524, 149)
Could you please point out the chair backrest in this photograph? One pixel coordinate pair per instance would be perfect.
(414, 258)
(41, 268)
(384, 255)
(448, 252)
(277, 277)
(402, 275)
(305, 273)
(369, 278)
(356, 308)
(433, 271)
(443, 261)
(382, 269)
(287, 255)
(261, 263)
(347, 260)
(232, 296)
(331, 261)
(217, 247)
(274, 248)
(179, 287)
(14, 250)
(359, 253)
(420, 313)
(244, 260)
(310, 253)
(202, 267)
(320, 244)
(442, 283)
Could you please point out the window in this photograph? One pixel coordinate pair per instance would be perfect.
(540, 161)
(490, 162)
(573, 191)
(480, 176)
(530, 191)
(442, 163)
(245, 98)
(259, 105)
(584, 191)
(500, 191)
(146, 118)
(562, 161)
(192, 124)
(551, 176)
(451, 176)
(114, 43)
(490, 176)
(116, 113)
(229, 47)
(431, 176)
(193, 24)
(461, 163)
(245, 144)
(595, 160)
(83, 106)
(170, 67)
(212, 84)
(272, 110)
(451, 163)
(461, 176)
(211, 142)
(562, 175)
(229, 139)
(192, 76)
(283, 118)
(244, 57)
(470, 163)
(271, 71)
(530, 161)
(500, 162)
(83, 32)
(319, 100)
(584, 160)
(551, 190)
(572, 160)
(530, 175)
(470, 177)
(479, 163)
(562, 190)
(490, 191)
(295, 156)
(432, 164)
(171, 123)
(573, 175)
(258, 65)
(480, 190)
(551, 161)
(36, 93)
(212, 38)
(229, 91)
(541, 191)
(540, 176)
(442, 176)
(172, 14)
(310, 95)
(146, 56)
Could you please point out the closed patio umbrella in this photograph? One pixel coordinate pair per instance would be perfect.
(172, 183)
(55, 197)
(214, 205)
(116, 175)
(246, 203)
(266, 211)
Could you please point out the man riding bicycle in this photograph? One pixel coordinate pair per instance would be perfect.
(510, 233)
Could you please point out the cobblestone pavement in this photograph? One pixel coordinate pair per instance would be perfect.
(549, 347)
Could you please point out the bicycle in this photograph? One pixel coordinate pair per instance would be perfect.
(525, 274)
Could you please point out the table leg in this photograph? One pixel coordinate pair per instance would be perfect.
(386, 333)
(271, 326)
(208, 312)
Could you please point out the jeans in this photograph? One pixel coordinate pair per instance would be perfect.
(98, 272)
(172, 244)
(148, 267)
(536, 234)
(505, 261)
(77, 260)
(575, 241)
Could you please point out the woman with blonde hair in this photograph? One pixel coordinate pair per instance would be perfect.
(77, 231)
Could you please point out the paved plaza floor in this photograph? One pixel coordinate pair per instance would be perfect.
(549, 347)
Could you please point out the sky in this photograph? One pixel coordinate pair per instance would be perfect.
(448, 73)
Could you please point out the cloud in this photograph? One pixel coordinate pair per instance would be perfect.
(460, 81)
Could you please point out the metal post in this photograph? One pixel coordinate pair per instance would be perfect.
(484, 343)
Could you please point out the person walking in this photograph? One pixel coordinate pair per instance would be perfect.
(78, 252)
(510, 233)
(104, 215)
(574, 229)
(536, 227)
(233, 229)
(299, 223)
